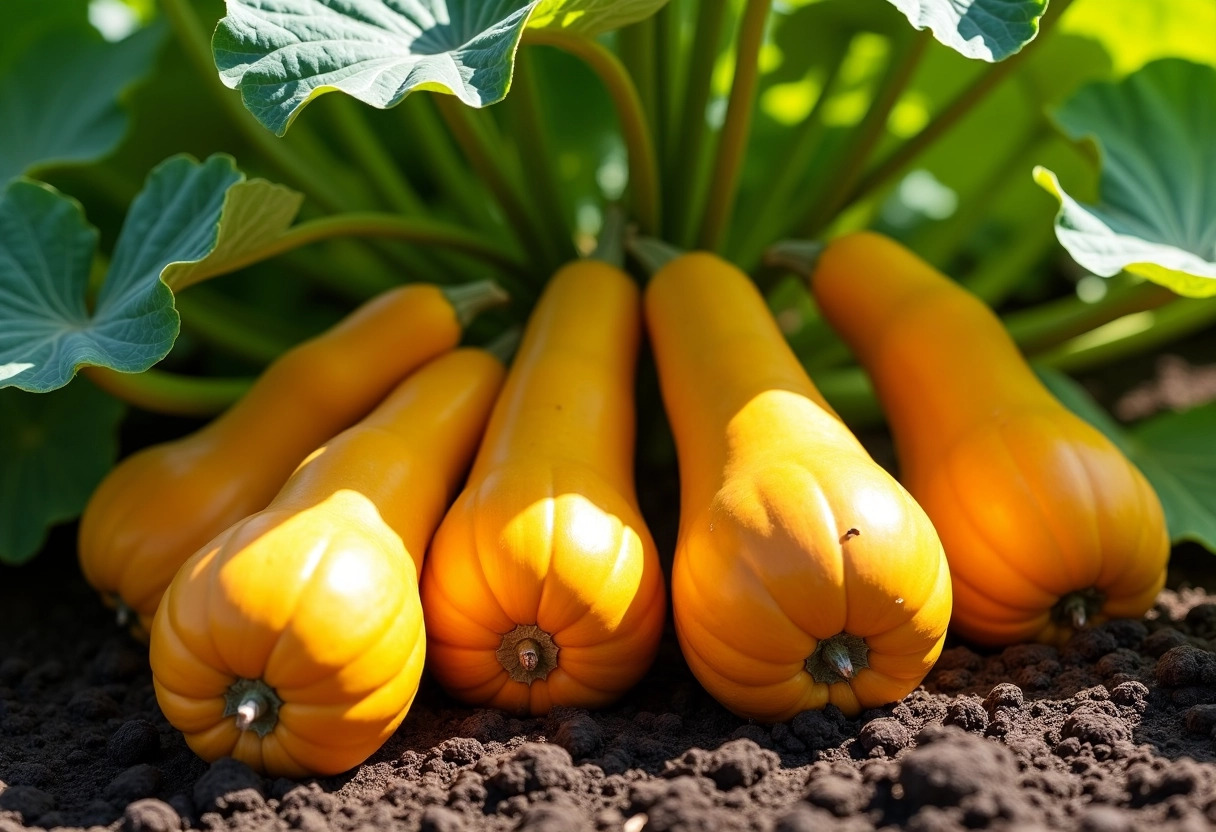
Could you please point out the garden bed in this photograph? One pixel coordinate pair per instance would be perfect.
(1112, 732)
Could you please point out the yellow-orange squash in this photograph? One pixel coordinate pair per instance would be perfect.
(1046, 524)
(804, 573)
(161, 504)
(542, 586)
(294, 641)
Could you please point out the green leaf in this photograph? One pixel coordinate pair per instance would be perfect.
(283, 53)
(57, 447)
(990, 30)
(1174, 451)
(1156, 214)
(59, 102)
(188, 221)
(25, 21)
(592, 17)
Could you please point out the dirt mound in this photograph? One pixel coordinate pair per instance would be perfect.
(1113, 732)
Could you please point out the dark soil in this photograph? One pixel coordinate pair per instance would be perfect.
(1114, 732)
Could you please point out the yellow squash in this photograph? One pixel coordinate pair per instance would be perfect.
(161, 504)
(1046, 523)
(542, 586)
(294, 641)
(804, 574)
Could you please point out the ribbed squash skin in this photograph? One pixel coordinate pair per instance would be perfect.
(790, 534)
(1031, 502)
(316, 596)
(548, 531)
(158, 506)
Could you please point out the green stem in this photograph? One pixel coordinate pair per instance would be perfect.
(409, 229)
(162, 392)
(635, 129)
(666, 58)
(1004, 270)
(535, 152)
(1051, 323)
(953, 112)
(486, 158)
(350, 123)
(635, 45)
(308, 178)
(1131, 335)
(773, 201)
(732, 144)
(229, 325)
(688, 150)
(851, 394)
(835, 196)
(453, 179)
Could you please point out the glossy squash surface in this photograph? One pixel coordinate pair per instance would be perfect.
(1046, 524)
(158, 506)
(804, 573)
(294, 641)
(542, 586)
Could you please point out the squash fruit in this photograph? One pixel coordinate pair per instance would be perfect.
(1047, 525)
(294, 641)
(542, 586)
(158, 506)
(804, 574)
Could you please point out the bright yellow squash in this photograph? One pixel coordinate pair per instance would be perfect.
(804, 573)
(161, 504)
(1047, 525)
(294, 641)
(542, 586)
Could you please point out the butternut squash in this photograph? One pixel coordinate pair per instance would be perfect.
(804, 574)
(1047, 525)
(542, 586)
(158, 506)
(294, 641)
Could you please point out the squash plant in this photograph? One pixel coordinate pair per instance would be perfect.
(190, 187)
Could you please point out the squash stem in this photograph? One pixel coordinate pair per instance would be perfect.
(798, 256)
(372, 224)
(471, 299)
(299, 171)
(840, 192)
(485, 155)
(732, 145)
(635, 128)
(687, 151)
(837, 659)
(254, 704)
(527, 653)
(161, 392)
(651, 253)
(953, 112)
(1077, 609)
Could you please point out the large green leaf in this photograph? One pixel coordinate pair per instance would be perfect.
(25, 21)
(591, 17)
(59, 102)
(1156, 214)
(283, 53)
(1174, 450)
(187, 222)
(57, 447)
(990, 30)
